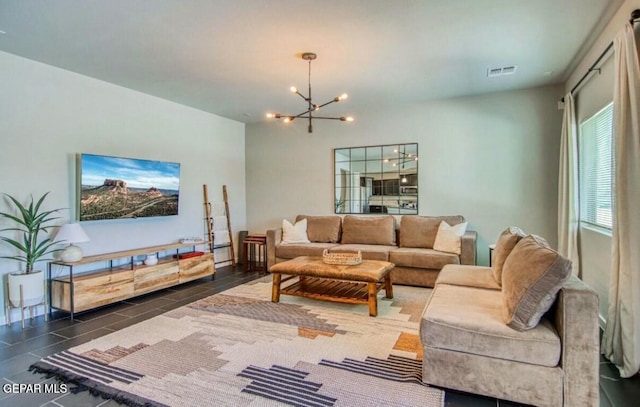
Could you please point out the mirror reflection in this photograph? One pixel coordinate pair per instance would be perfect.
(376, 179)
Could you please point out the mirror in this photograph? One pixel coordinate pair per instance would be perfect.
(376, 179)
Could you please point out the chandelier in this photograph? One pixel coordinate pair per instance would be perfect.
(400, 161)
(311, 107)
(402, 158)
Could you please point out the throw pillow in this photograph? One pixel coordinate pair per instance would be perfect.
(294, 233)
(420, 231)
(322, 229)
(448, 238)
(369, 230)
(532, 275)
(505, 244)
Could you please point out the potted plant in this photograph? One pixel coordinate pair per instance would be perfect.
(26, 287)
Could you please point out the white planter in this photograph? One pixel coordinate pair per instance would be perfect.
(32, 288)
(151, 260)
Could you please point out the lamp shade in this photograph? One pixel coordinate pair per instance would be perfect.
(72, 233)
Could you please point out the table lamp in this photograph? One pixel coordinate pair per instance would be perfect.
(71, 233)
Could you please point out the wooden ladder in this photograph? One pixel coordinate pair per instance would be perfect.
(225, 197)
(209, 222)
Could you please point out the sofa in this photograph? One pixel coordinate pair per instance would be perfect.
(410, 246)
(524, 329)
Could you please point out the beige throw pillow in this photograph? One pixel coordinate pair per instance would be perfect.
(448, 237)
(292, 234)
(505, 244)
(420, 231)
(369, 230)
(323, 229)
(531, 278)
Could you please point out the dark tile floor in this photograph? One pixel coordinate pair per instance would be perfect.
(20, 348)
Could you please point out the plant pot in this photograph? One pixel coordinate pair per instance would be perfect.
(32, 288)
(151, 260)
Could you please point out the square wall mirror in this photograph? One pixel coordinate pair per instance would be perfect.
(376, 179)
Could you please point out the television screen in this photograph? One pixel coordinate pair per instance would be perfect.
(115, 188)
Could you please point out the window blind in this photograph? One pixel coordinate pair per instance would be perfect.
(596, 169)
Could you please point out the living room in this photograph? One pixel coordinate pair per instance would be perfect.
(490, 155)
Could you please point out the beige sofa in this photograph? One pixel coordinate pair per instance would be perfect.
(409, 246)
(472, 343)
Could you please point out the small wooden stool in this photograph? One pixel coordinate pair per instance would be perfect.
(255, 253)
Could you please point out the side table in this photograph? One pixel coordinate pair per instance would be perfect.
(255, 253)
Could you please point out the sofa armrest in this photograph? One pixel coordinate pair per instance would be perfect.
(468, 248)
(274, 237)
(576, 318)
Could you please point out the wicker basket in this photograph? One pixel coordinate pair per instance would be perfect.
(343, 259)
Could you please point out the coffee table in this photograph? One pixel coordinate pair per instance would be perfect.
(357, 284)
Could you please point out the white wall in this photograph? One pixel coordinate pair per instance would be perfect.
(491, 158)
(49, 114)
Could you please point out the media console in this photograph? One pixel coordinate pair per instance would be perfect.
(76, 292)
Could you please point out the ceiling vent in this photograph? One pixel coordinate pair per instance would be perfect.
(505, 70)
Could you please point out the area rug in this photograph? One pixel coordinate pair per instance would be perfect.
(237, 348)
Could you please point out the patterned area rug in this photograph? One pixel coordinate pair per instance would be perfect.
(238, 348)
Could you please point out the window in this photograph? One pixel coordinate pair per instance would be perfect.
(596, 169)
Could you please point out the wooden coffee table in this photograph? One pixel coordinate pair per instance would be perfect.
(357, 284)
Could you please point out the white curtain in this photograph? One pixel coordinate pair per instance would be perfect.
(568, 204)
(621, 341)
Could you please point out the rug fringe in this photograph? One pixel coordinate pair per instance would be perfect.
(97, 389)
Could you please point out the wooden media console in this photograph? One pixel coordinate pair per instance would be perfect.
(76, 292)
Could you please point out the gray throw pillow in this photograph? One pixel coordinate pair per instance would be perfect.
(531, 278)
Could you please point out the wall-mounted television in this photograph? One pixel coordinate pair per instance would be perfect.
(117, 188)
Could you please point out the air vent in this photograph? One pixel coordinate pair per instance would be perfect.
(494, 72)
(509, 70)
(505, 70)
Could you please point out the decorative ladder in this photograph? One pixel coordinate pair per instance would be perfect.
(210, 222)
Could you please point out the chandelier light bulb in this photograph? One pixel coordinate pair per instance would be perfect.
(294, 89)
(343, 96)
(286, 120)
(270, 115)
(316, 107)
(349, 118)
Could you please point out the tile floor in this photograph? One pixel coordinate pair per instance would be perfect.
(20, 348)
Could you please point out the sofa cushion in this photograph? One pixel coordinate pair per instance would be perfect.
(531, 277)
(293, 234)
(369, 230)
(448, 237)
(368, 251)
(467, 276)
(421, 231)
(289, 251)
(469, 320)
(422, 258)
(505, 244)
(323, 229)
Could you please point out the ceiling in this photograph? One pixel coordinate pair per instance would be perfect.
(238, 58)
